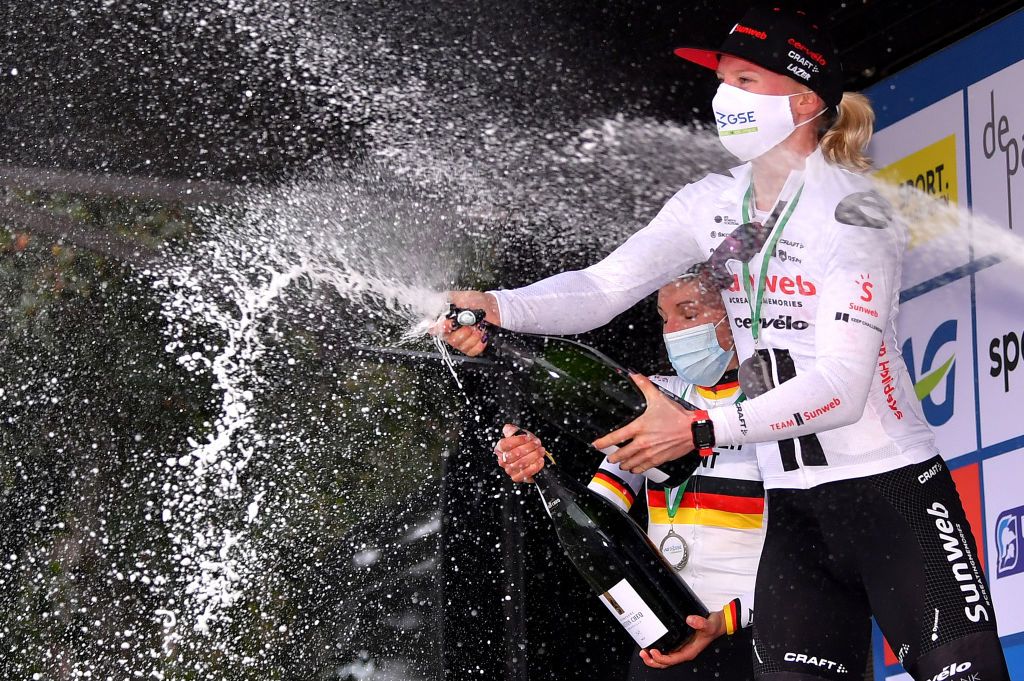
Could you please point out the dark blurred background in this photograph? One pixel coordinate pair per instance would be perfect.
(188, 90)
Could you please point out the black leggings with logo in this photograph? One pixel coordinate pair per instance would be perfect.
(896, 545)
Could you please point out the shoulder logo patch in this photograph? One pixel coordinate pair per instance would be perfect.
(864, 209)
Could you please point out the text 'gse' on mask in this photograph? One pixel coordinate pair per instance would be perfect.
(749, 124)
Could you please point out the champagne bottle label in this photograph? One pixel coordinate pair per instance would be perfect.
(633, 614)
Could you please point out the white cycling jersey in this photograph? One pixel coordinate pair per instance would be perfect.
(844, 405)
(718, 513)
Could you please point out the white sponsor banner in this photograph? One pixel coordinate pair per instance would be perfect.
(1004, 515)
(927, 150)
(919, 130)
(996, 113)
(980, 124)
(1000, 313)
(935, 332)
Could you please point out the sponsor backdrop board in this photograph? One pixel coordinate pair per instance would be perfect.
(953, 127)
(1000, 344)
(1004, 515)
(916, 152)
(938, 348)
(996, 114)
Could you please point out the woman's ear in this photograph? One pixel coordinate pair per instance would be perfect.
(808, 104)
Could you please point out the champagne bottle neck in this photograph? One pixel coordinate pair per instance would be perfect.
(542, 479)
(548, 487)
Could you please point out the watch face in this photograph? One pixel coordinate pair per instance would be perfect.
(703, 434)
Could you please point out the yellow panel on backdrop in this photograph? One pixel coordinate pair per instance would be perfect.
(933, 172)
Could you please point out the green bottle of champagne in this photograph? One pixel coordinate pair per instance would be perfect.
(577, 389)
(617, 559)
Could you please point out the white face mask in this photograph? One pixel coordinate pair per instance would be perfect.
(750, 124)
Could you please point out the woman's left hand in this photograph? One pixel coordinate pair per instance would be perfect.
(707, 630)
(662, 433)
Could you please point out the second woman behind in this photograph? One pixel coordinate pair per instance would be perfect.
(710, 529)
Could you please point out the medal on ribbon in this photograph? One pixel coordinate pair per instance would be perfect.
(755, 375)
(673, 546)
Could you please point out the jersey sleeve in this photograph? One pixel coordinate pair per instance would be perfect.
(739, 612)
(621, 487)
(616, 485)
(858, 297)
(581, 300)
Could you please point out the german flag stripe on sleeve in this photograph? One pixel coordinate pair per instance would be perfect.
(731, 613)
(616, 486)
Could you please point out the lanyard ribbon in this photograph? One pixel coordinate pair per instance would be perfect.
(672, 505)
(784, 208)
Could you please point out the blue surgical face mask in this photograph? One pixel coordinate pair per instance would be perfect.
(696, 354)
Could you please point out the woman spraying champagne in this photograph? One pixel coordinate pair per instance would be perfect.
(841, 443)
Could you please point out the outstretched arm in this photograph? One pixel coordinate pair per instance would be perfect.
(578, 301)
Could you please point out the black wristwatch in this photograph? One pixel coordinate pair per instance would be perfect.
(703, 432)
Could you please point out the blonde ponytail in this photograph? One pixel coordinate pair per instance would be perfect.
(844, 143)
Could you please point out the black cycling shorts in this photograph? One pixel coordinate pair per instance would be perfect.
(726, 659)
(896, 545)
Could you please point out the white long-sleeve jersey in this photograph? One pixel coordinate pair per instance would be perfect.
(844, 405)
(720, 515)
